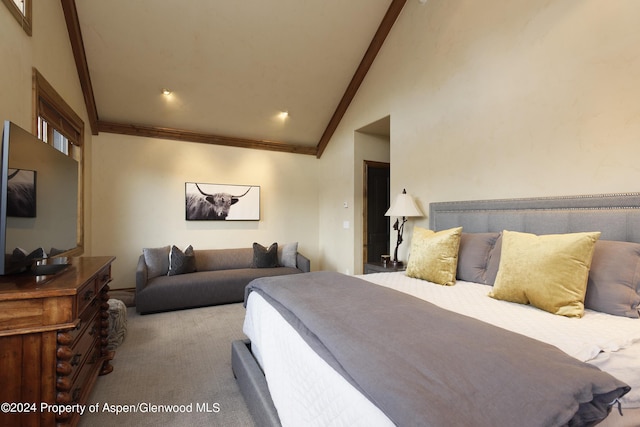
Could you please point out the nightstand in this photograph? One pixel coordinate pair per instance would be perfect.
(377, 267)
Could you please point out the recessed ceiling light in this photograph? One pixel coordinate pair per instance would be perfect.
(166, 92)
(284, 114)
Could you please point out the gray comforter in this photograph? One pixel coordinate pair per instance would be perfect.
(423, 365)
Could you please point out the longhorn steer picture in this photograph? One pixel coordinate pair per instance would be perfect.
(221, 202)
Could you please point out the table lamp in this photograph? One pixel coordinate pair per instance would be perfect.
(403, 206)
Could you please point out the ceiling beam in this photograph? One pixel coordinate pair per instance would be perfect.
(77, 46)
(370, 55)
(186, 135)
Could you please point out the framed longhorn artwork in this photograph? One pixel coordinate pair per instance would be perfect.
(221, 202)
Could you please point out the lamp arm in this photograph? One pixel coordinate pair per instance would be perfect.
(401, 231)
(400, 227)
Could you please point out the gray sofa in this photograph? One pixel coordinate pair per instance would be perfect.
(220, 277)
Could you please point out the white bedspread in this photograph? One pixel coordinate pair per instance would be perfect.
(305, 389)
(582, 338)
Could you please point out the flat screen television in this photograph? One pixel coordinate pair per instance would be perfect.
(38, 204)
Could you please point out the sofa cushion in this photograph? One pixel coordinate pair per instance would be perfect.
(157, 260)
(202, 288)
(223, 259)
(181, 262)
(265, 257)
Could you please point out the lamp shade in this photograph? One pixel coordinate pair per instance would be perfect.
(404, 205)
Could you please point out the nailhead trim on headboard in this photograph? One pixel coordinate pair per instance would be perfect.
(617, 215)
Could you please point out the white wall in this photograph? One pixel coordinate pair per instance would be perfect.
(139, 198)
(498, 99)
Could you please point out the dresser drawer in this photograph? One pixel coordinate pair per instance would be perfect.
(35, 313)
(86, 295)
(73, 388)
(103, 277)
(85, 320)
(80, 386)
(20, 314)
(71, 353)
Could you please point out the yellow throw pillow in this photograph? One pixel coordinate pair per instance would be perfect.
(547, 271)
(434, 256)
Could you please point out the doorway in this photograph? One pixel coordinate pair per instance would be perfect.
(376, 201)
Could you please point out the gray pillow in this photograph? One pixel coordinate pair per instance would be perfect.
(181, 262)
(265, 257)
(474, 255)
(614, 279)
(494, 262)
(287, 255)
(157, 260)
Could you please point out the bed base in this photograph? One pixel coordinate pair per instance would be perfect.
(253, 385)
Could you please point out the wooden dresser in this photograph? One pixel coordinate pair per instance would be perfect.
(53, 342)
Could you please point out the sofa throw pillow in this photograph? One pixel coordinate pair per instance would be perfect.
(265, 257)
(55, 251)
(20, 254)
(287, 255)
(434, 255)
(181, 262)
(547, 271)
(157, 260)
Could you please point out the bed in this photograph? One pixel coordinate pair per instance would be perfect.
(320, 346)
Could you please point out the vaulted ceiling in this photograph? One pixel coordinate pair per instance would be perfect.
(232, 67)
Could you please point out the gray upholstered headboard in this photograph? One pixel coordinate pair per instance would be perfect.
(617, 216)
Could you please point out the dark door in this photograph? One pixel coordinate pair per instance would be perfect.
(376, 203)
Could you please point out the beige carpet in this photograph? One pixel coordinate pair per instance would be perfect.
(181, 359)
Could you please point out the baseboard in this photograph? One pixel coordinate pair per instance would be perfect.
(253, 385)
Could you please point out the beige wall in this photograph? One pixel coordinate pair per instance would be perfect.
(135, 196)
(49, 51)
(498, 99)
(487, 99)
(139, 183)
